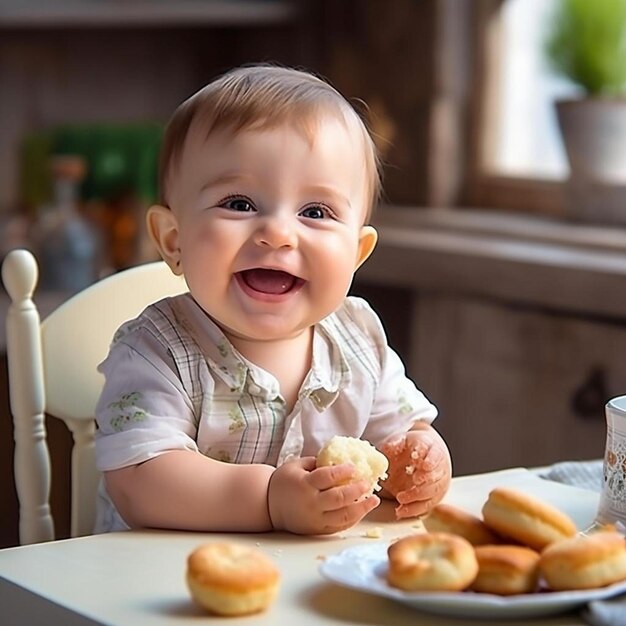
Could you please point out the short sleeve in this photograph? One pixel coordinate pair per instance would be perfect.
(143, 410)
(397, 402)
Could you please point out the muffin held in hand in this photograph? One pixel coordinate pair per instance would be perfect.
(228, 578)
(370, 464)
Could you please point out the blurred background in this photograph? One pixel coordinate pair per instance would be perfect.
(501, 270)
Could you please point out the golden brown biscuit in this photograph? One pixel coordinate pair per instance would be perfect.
(525, 519)
(369, 463)
(584, 562)
(431, 562)
(231, 579)
(506, 570)
(445, 518)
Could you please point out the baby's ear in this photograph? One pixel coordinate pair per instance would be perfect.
(367, 242)
(163, 230)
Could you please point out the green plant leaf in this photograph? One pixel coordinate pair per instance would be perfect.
(587, 44)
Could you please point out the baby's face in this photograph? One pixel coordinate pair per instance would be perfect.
(270, 226)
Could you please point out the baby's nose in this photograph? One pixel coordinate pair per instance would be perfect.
(276, 232)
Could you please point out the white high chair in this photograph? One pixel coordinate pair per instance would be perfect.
(52, 370)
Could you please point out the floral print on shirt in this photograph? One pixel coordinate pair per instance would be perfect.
(237, 421)
(404, 406)
(128, 411)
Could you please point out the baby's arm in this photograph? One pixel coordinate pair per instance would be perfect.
(420, 469)
(185, 490)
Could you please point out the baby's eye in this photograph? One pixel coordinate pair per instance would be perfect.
(315, 212)
(242, 205)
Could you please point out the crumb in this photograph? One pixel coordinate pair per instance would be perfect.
(321, 557)
(415, 454)
(373, 533)
(409, 469)
(258, 543)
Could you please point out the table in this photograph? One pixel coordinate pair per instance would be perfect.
(136, 578)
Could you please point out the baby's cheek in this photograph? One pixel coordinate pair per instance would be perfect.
(401, 467)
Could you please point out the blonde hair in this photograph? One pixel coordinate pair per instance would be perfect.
(260, 97)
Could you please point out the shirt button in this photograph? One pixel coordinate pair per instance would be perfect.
(254, 389)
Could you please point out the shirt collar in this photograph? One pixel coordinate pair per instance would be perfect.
(330, 368)
(221, 356)
(329, 372)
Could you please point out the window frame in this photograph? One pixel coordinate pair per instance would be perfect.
(484, 188)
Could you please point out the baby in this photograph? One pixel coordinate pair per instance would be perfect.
(216, 402)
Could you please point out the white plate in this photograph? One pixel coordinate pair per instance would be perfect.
(364, 567)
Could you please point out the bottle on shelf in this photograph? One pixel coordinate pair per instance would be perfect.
(66, 243)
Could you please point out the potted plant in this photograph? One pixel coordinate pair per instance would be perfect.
(587, 45)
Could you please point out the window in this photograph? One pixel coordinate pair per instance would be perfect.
(518, 157)
(528, 142)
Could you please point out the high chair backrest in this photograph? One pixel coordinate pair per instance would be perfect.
(52, 370)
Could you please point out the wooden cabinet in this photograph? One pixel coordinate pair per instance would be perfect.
(516, 386)
(518, 335)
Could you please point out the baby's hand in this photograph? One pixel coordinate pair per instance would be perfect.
(310, 501)
(419, 470)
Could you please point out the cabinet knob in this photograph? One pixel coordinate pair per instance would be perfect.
(589, 398)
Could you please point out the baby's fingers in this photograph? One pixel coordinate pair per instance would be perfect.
(420, 492)
(409, 495)
(434, 458)
(348, 516)
(330, 476)
(422, 478)
(345, 495)
(414, 509)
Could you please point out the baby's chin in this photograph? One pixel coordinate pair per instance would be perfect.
(265, 329)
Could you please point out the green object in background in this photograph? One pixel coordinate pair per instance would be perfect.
(586, 43)
(121, 159)
(35, 181)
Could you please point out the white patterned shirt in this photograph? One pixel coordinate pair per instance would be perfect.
(174, 381)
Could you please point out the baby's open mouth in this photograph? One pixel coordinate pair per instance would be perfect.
(270, 281)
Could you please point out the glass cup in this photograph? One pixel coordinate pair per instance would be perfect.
(612, 507)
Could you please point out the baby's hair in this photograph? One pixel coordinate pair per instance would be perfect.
(260, 97)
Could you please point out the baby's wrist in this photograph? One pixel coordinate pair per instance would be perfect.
(273, 509)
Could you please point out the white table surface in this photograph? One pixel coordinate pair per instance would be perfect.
(136, 578)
